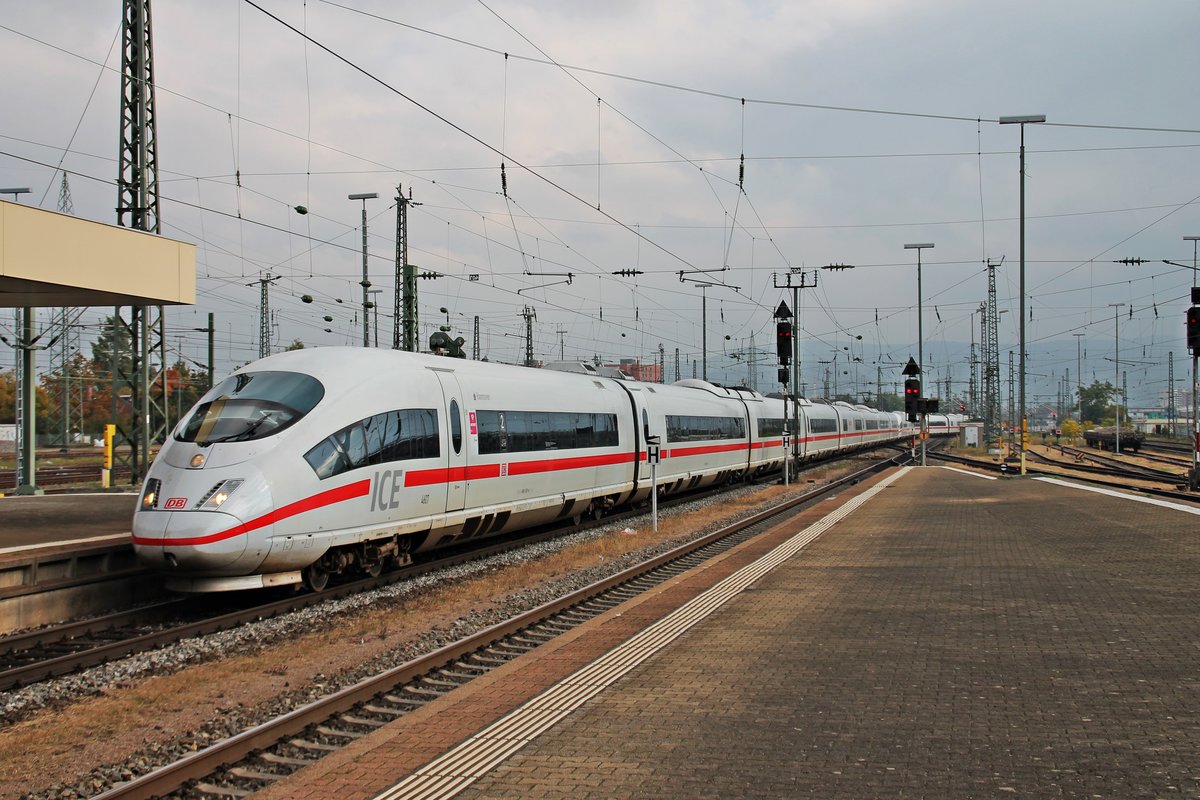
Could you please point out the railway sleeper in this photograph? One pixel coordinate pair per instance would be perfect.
(461, 671)
(222, 791)
(394, 713)
(340, 733)
(321, 747)
(256, 775)
(529, 640)
(486, 661)
(285, 761)
(506, 650)
(350, 719)
(420, 694)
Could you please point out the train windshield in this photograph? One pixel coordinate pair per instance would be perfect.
(249, 406)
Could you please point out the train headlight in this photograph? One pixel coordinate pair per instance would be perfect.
(197, 461)
(150, 495)
(217, 496)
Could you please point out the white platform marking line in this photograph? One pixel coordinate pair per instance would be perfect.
(972, 474)
(472, 758)
(1123, 495)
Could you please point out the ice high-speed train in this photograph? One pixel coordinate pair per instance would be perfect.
(315, 462)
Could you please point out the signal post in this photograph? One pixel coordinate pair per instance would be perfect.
(914, 404)
(1193, 343)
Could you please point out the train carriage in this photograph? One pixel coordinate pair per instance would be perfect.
(315, 462)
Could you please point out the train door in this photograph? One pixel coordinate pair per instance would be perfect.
(456, 441)
(800, 433)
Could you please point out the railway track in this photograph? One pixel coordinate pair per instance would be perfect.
(253, 759)
(33, 656)
(1168, 447)
(1118, 466)
(1073, 473)
(67, 475)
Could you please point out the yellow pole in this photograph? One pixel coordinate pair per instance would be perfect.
(106, 472)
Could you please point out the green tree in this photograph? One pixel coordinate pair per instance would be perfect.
(1096, 400)
(295, 345)
(113, 336)
(8, 393)
(888, 402)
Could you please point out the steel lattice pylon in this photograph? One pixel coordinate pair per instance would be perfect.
(991, 362)
(530, 315)
(143, 419)
(404, 332)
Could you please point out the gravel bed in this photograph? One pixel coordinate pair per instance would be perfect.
(21, 703)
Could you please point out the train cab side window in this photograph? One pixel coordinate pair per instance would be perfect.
(455, 426)
(327, 459)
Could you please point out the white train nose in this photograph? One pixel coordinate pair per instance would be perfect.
(195, 541)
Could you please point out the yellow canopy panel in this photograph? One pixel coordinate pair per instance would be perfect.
(49, 259)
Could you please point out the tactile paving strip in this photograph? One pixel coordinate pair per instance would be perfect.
(458, 768)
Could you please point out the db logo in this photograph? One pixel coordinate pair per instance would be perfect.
(176, 502)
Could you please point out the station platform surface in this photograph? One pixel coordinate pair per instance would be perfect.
(940, 634)
(64, 520)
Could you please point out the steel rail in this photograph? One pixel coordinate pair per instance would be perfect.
(991, 466)
(172, 777)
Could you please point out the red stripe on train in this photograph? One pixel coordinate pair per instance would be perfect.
(327, 498)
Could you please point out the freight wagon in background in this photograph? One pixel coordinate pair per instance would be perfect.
(1106, 438)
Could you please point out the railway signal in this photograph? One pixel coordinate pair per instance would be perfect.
(912, 397)
(1193, 329)
(783, 341)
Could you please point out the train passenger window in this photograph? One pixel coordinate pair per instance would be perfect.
(819, 425)
(770, 426)
(379, 439)
(607, 434)
(684, 428)
(420, 433)
(455, 426)
(355, 444)
(530, 431)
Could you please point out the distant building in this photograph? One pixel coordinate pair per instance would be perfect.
(649, 373)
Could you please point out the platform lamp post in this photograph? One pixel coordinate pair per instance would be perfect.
(1116, 307)
(366, 283)
(1195, 481)
(1022, 120)
(1079, 373)
(921, 338)
(704, 287)
(374, 303)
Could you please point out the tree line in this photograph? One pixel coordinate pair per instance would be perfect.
(76, 398)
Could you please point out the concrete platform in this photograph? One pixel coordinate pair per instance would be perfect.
(67, 555)
(63, 519)
(953, 636)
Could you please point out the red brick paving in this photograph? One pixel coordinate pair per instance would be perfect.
(954, 638)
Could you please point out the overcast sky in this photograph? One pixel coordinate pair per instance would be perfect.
(864, 126)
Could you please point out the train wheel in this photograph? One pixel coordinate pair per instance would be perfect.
(315, 577)
(373, 569)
